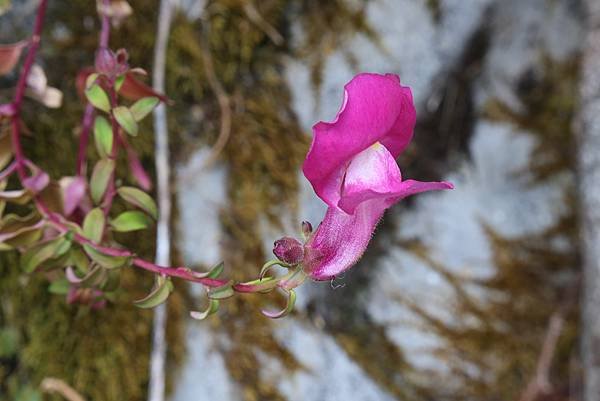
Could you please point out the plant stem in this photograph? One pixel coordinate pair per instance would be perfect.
(34, 44)
(88, 115)
(110, 190)
(84, 136)
(54, 218)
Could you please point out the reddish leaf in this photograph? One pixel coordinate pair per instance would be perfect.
(37, 182)
(9, 56)
(136, 168)
(73, 191)
(80, 81)
(134, 89)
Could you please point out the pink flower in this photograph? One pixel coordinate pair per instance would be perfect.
(351, 166)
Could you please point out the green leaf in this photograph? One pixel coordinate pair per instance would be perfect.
(100, 178)
(26, 236)
(223, 292)
(160, 293)
(139, 198)
(79, 260)
(18, 196)
(130, 221)
(291, 301)
(93, 278)
(17, 231)
(103, 136)
(6, 150)
(97, 97)
(107, 261)
(126, 120)
(60, 286)
(143, 107)
(119, 82)
(213, 307)
(91, 79)
(40, 253)
(93, 225)
(216, 271)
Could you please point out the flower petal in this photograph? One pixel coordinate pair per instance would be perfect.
(341, 239)
(374, 174)
(376, 108)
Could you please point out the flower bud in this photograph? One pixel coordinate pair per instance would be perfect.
(111, 64)
(105, 62)
(289, 250)
(306, 229)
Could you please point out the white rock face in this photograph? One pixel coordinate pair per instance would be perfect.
(493, 189)
(205, 376)
(330, 374)
(490, 188)
(201, 195)
(415, 47)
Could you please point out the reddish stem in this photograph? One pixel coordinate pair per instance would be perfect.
(20, 165)
(105, 30)
(86, 126)
(110, 190)
(21, 85)
(180, 272)
(88, 115)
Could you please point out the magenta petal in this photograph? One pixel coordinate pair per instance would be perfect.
(373, 173)
(376, 108)
(412, 187)
(341, 239)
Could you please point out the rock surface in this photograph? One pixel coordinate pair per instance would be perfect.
(492, 187)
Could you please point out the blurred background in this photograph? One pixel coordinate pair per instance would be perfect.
(470, 294)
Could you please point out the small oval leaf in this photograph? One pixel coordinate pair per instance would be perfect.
(126, 120)
(130, 221)
(143, 107)
(93, 225)
(160, 293)
(18, 196)
(222, 292)
(139, 198)
(97, 97)
(213, 307)
(40, 253)
(216, 271)
(107, 261)
(103, 136)
(100, 178)
(291, 301)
